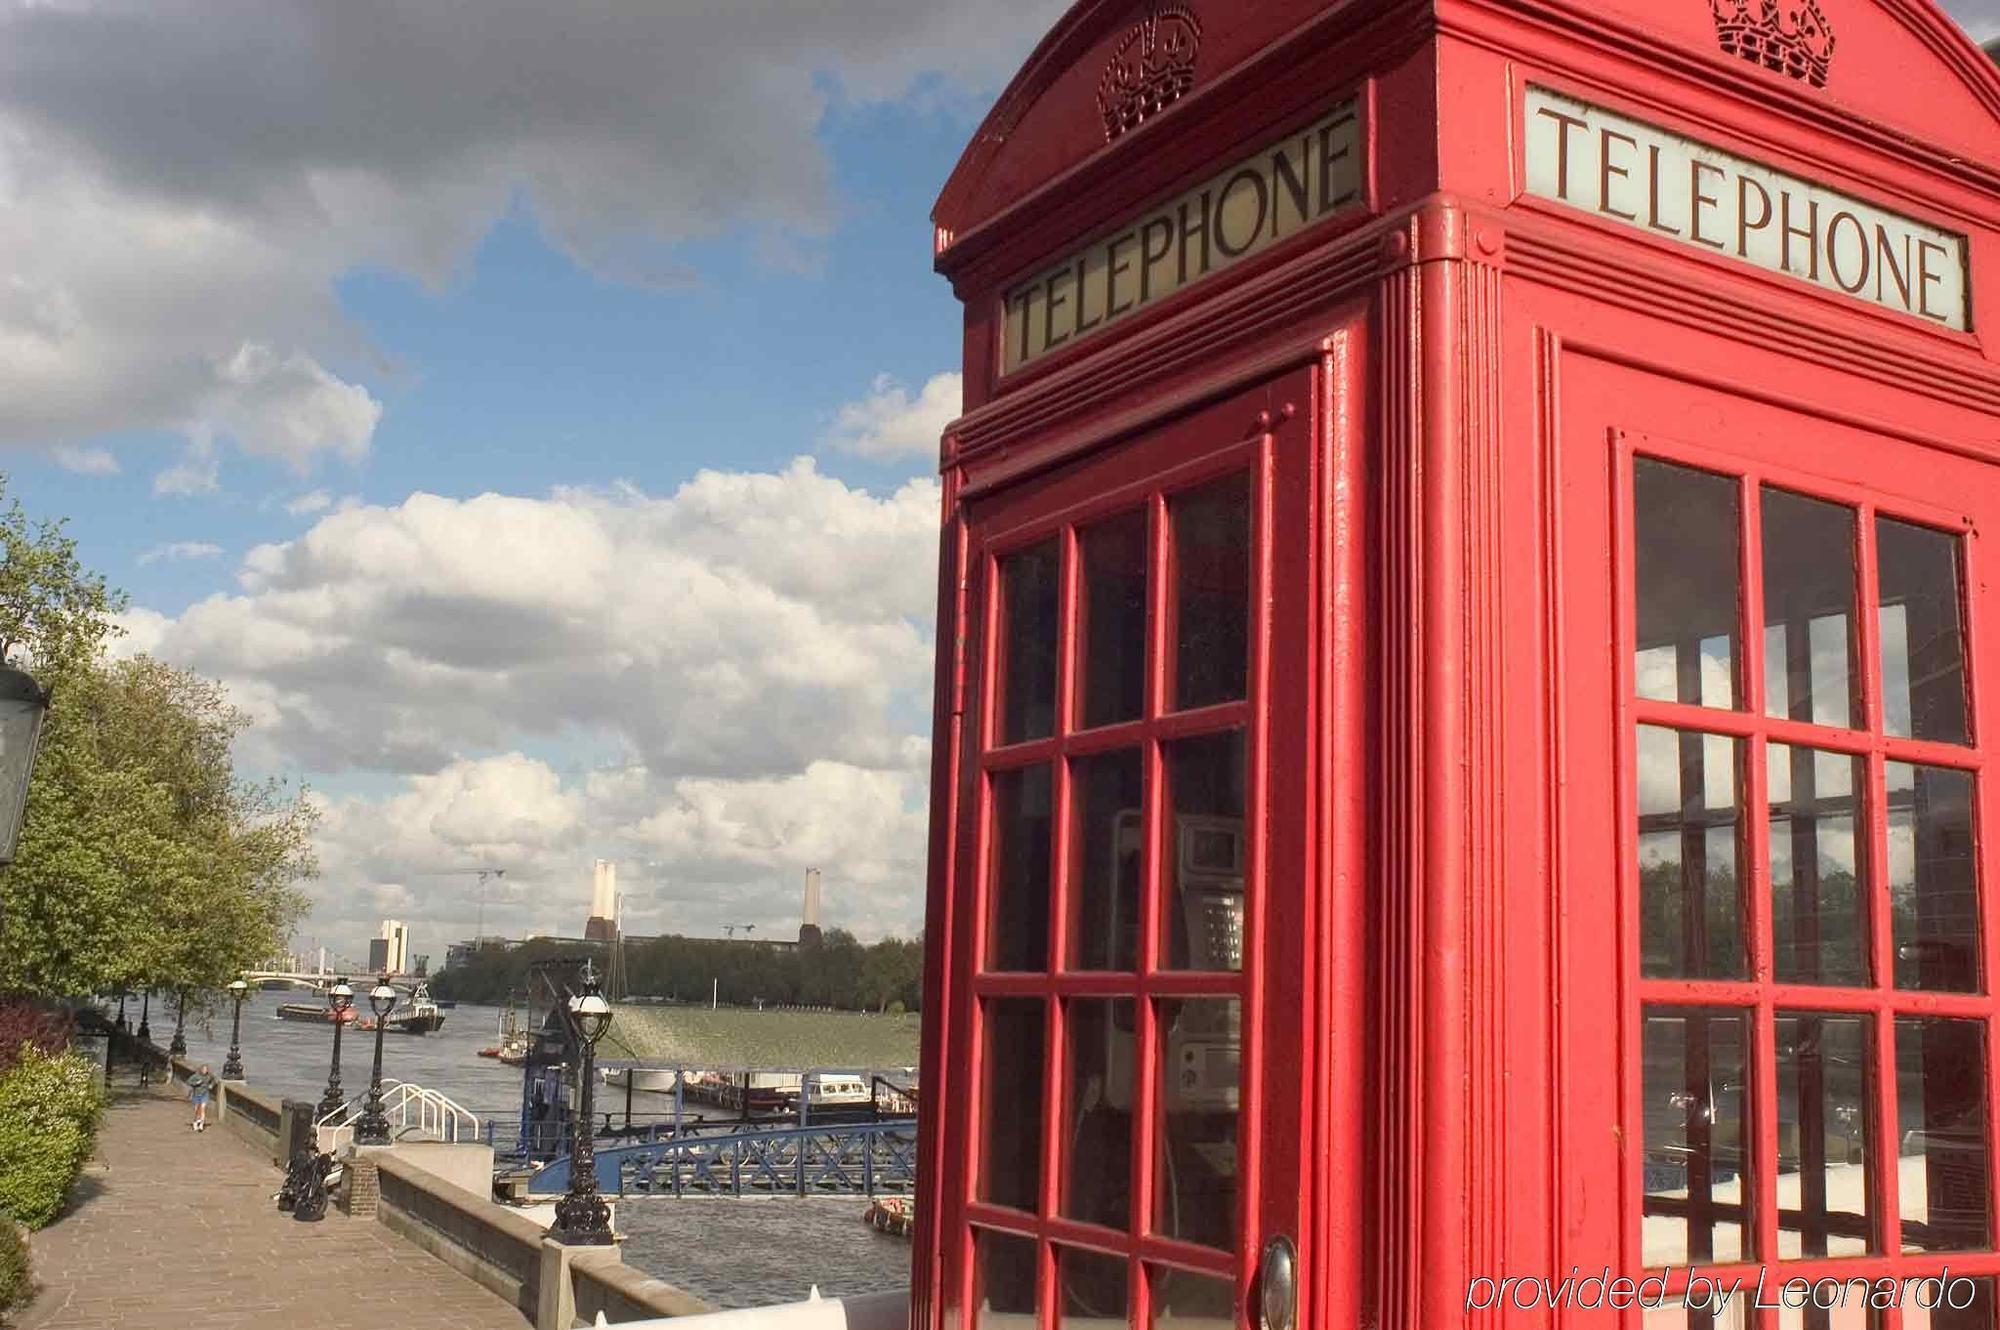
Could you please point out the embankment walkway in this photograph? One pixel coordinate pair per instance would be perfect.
(172, 1230)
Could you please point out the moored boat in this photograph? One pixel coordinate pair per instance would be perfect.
(317, 1012)
(419, 1015)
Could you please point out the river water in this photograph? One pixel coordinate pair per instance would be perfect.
(734, 1253)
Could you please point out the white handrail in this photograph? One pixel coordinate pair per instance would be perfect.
(409, 1107)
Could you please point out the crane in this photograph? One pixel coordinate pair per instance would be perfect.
(729, 930)
(484, 875)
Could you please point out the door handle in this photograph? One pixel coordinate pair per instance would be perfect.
(1278, 1286)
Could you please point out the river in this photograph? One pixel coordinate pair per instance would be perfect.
(734, 1253)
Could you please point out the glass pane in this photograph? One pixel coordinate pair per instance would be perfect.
(1006, 1296)
(1185, 1301)
(1017, 903)
(1204, 865)
(1031, 597)
(1703, 1314)
(1823, 1063)
(1697, 1131)
(1010, 1159)
(1923, 649)
(1107, 803)
(1211, 581)
(1094, 1288)
(1953, 1303)
(1941, 1111)
(1690, 893)
(1819, 916)
(1809, 671)
(1689, 572)
(1826, 1305)
(1933, 881)
(1097, 1178)
(1194, 1175)
(1113, 683)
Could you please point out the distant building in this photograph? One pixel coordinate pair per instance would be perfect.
(390, 953)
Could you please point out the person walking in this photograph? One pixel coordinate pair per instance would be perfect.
(201, 1088)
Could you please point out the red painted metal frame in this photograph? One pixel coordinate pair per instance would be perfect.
(1279, 456)
(1454, 785)
(1761, 995)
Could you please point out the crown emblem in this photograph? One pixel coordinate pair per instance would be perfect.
(1794, 40)
(1151, 68)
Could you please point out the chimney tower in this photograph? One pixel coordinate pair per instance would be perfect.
(602, 926)
(809, 924)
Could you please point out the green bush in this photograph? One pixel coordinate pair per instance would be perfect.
(49, 1109)
(15, 1285)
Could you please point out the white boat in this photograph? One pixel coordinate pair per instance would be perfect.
(640, 1078)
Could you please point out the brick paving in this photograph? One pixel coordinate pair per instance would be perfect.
(173, 1230)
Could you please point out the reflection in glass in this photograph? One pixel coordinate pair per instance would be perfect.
(1194, 1174)
(1674, 1314)
(1112, 686)
(1823, 1063)
(1849, 1312)
(1690, 584)
(1097, 1175)
(1941, 1111)
(1030, 594)
(1809, 669)
(1690, 892)
(1696, 1135)
(1211, 589)
(1923, 647)
(1106, 796)
(1819, 928)
(1205, 858)
(1017, 921)
(1186, 1301)
(1958, 1303)
(1094, 1287)
(1933, 881)
(1010, 1159)
(1006, 1292)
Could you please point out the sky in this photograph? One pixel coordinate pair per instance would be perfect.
(528, 411)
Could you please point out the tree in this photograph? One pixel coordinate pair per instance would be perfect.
(144, 860)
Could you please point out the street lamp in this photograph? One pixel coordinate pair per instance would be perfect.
(232, 1066)
(146, 1016)
(582, 1218)
(179, 1047)
(372, 1127)
(23, 704)
(339, 1002)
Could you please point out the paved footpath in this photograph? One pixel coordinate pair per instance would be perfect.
(177, 1231)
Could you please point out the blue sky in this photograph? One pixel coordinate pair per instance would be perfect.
(527, 411)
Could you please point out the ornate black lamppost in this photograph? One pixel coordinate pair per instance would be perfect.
(582, 1217)
(232, 1066)
(179, 1047)
(121, 1022)
(339, 1003)
(372, 1127)
(146, 1016)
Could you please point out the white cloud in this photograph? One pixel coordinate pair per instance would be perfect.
(182, 182)
(305, 505)
(180, 550)
(730, 683)
(85, 461)
(891, 425)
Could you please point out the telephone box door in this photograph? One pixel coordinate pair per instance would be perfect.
(1132, 962)
(1781, 771)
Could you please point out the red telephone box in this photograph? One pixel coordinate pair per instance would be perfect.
(1468, 706)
